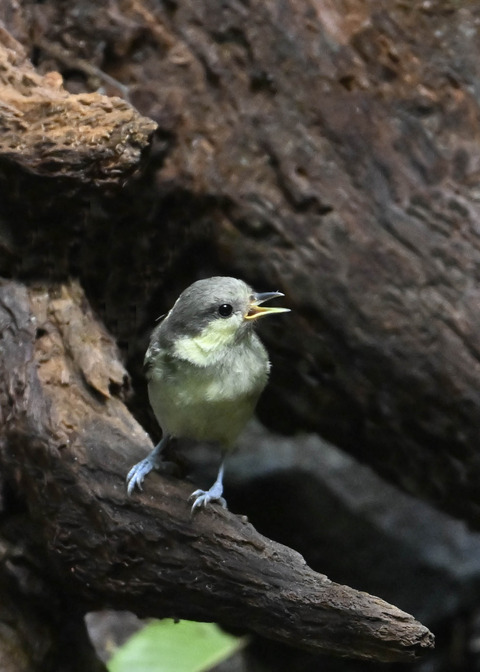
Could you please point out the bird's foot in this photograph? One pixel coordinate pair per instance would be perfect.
(206, 497)
(139, 471)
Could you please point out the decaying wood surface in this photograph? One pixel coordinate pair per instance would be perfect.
(67, 443)
(329, 150)
(49, 132)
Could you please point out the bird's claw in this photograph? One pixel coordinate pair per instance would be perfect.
(206, 497)
(138, 472)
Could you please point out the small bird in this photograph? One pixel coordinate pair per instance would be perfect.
(206, 368)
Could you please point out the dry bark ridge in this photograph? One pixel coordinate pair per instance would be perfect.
(68, 441)
(50, 132)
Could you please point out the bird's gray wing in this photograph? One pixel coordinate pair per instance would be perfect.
(159, 344)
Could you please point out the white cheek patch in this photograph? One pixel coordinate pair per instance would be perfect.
(217, 335)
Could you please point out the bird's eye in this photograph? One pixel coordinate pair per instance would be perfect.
(225, 310)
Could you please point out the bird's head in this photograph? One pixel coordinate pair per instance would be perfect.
(216, 312)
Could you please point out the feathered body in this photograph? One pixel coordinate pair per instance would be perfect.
(206, 368)
(205, 384)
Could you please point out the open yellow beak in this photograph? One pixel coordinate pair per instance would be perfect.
(256, 310)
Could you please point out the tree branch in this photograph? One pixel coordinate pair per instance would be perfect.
(67, 443)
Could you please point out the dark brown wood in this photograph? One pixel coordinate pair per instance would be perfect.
(68, 440)
(46, 131)
(325, 149)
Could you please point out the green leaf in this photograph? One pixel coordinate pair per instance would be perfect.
(167, 646)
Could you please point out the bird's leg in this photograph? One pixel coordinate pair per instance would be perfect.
(137, 473)
(204, 497)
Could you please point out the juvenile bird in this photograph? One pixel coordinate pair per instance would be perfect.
(206, 368)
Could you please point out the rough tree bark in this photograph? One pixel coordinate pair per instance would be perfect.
(67, 442)
(48, 132)
(327, 149)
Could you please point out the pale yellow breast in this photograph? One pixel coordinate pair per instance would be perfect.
(205, 401)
